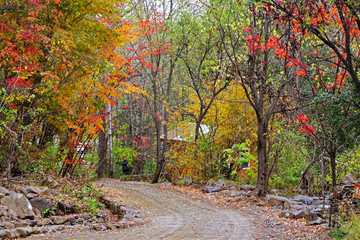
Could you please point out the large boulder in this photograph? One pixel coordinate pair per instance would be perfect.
(318, 221)
(19, 204)
(277, 201)
(30, 192)
(7, 213)
(40, 203)
(297, 214)
(211, 187)
(304, 199)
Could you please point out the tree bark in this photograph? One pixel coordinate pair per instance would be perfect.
(111, 163)
(102, 167)
(262, 158)
(332, 156)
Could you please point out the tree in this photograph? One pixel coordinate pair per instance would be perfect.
(335, 23)
(50, 54)
(157, 57)
(208, 70)
(265, 57)
(333, 28)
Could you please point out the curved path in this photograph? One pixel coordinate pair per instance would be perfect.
(171, 216)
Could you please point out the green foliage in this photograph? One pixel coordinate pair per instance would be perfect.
(349, 229)
(49, 212)
(94, 206)
(338, 233)
(350, 162)
(250, 176)
(121, 152)
(239, 153)
(87, 191)
(289, 157)
(51, 159)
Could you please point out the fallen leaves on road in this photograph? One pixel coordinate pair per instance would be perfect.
(266, 221)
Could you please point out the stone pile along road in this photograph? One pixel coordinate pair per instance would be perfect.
(170, 214)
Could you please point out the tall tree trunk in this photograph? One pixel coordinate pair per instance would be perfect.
(158, 123)
(102, 167)
(111, 163)
(332, 156)
(138, 164)
(262, 183)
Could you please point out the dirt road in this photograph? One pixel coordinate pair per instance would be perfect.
(171, 216)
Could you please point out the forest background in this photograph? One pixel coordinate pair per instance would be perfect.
(260, 92)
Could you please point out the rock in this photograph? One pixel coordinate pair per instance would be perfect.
(66, 208)
(40, 203)
(54, 229)
(277, 201)
(8, 225)
(237, 199)
(79, 221)
(318, 221)
(43, 229)
(116, 207)
(242, 193)
(247, 187)
(58, 220)
(312, 216)
(297, 205)
(19, 204)
(12, 233)
(71, 221)
(30, 192)
(348, 179)
(25, 231)
(261, 203)
(21, 224)
(3, 191)
(3, 234)
(305, 199)
(109, 226)
(32, 223)
(297, 214)
(37, 230)
(211, 187)
(98, 227)
(44, 222)
(121, 225)
(3, 211)
(284, 214)
(36, 212)
(221, 182)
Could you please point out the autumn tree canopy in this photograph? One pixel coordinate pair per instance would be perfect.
(274, 83)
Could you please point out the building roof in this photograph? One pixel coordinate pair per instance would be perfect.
(186, 132)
